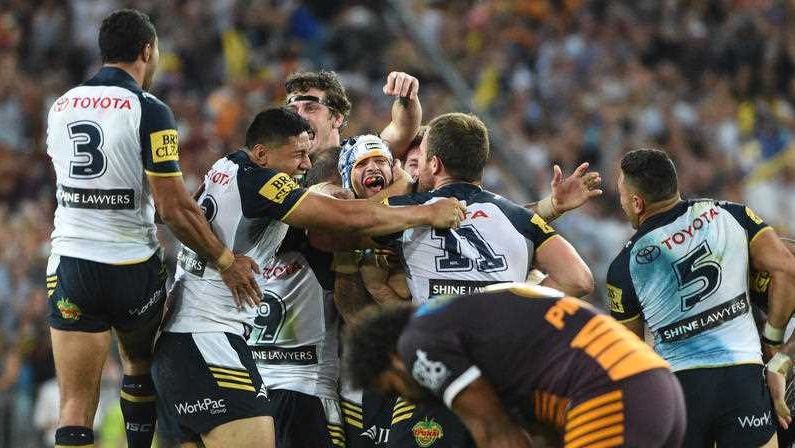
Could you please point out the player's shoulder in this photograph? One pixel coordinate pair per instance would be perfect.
(152, 104)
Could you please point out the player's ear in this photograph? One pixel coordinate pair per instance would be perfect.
(259, 154)
(338, 120)
(436, 165)
(396, 362)
(147, 52)
(638, 204)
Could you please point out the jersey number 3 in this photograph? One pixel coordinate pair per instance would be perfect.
(697, 274)
(87, 140)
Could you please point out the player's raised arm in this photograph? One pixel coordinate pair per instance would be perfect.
(406, 112)
(566, 270)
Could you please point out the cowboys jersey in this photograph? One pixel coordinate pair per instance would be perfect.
(495, 243)
(102, 137)
(293, 337)
(244, 204)
(686, 272)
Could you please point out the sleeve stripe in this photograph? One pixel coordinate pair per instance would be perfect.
(545, 242)
(761, 231)
(156, 174)
(299, 201)
(464, 380)
(623, 321)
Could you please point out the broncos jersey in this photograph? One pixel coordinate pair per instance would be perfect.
(293, 337)
(495, 243)
(685, 272)
(244, 204)
(104, 137)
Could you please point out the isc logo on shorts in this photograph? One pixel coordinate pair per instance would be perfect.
(165, 145)
(278, 187)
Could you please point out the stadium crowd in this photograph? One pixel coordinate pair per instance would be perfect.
(713, 82)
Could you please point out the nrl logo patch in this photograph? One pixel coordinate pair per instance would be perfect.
(427, 432)
(431, 374)
(68, 310)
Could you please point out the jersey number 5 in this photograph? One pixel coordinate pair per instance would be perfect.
(87, 140)
(697, 274)
(454, 260)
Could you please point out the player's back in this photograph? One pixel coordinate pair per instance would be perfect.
(102, 136)
(495, 243)
(687, 270)
(536, 347)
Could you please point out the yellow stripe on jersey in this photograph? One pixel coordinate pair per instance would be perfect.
(52, 284)
(354, 423)
(402, 417)
(236, 386)
(233, 378)
(352, 406)
(297, 203)
(52, 277)
(336, 431)
(156, 174)
(240, 373)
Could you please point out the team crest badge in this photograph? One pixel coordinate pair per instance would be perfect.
(431, 374)
(427, 432)
(68, 310)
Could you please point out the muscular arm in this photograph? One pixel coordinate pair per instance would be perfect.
(486, 419)
(406, 119)
(771, 255)
(362, 217)
(565, 269)
(350, 295)
(376, 280)
(179, 211)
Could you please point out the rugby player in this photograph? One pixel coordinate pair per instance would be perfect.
(517, 356)
(250, 198)
(685, 274)
(321, 99)
(498, 241)
(115, 151)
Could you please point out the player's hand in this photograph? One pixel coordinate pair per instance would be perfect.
(335, 191)
(241, 281)
(402, 85)
(401, 180)
(575, 190)
(446, 213)
(777, 384)
(768, 351)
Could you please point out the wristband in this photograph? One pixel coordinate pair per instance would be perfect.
(780, 363)
(772, 334)
(546, 209)
(225, 260)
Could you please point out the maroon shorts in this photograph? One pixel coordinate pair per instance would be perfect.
(646, 410)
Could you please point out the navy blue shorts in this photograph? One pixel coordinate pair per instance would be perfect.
(90, 296)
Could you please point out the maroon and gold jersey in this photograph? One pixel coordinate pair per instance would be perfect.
(541, 351)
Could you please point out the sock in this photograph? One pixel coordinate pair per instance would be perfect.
(74, 436)
(139, 411)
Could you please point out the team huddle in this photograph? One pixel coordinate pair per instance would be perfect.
(370, 292)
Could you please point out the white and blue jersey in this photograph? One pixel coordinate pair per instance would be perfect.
(104, 137)
(685, 272)
(495, 243)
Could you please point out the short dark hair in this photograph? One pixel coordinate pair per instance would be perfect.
(371, 339)
(327, 81)
(461, 141)
(124, 34)
(651, 172)
(273, 127)
(324, 166)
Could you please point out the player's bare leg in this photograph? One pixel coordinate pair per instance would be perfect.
(772, 443)
(79, 359)
(253, 432)
(137, 389)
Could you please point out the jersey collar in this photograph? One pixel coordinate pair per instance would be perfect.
(113, 76)
(663, 218)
